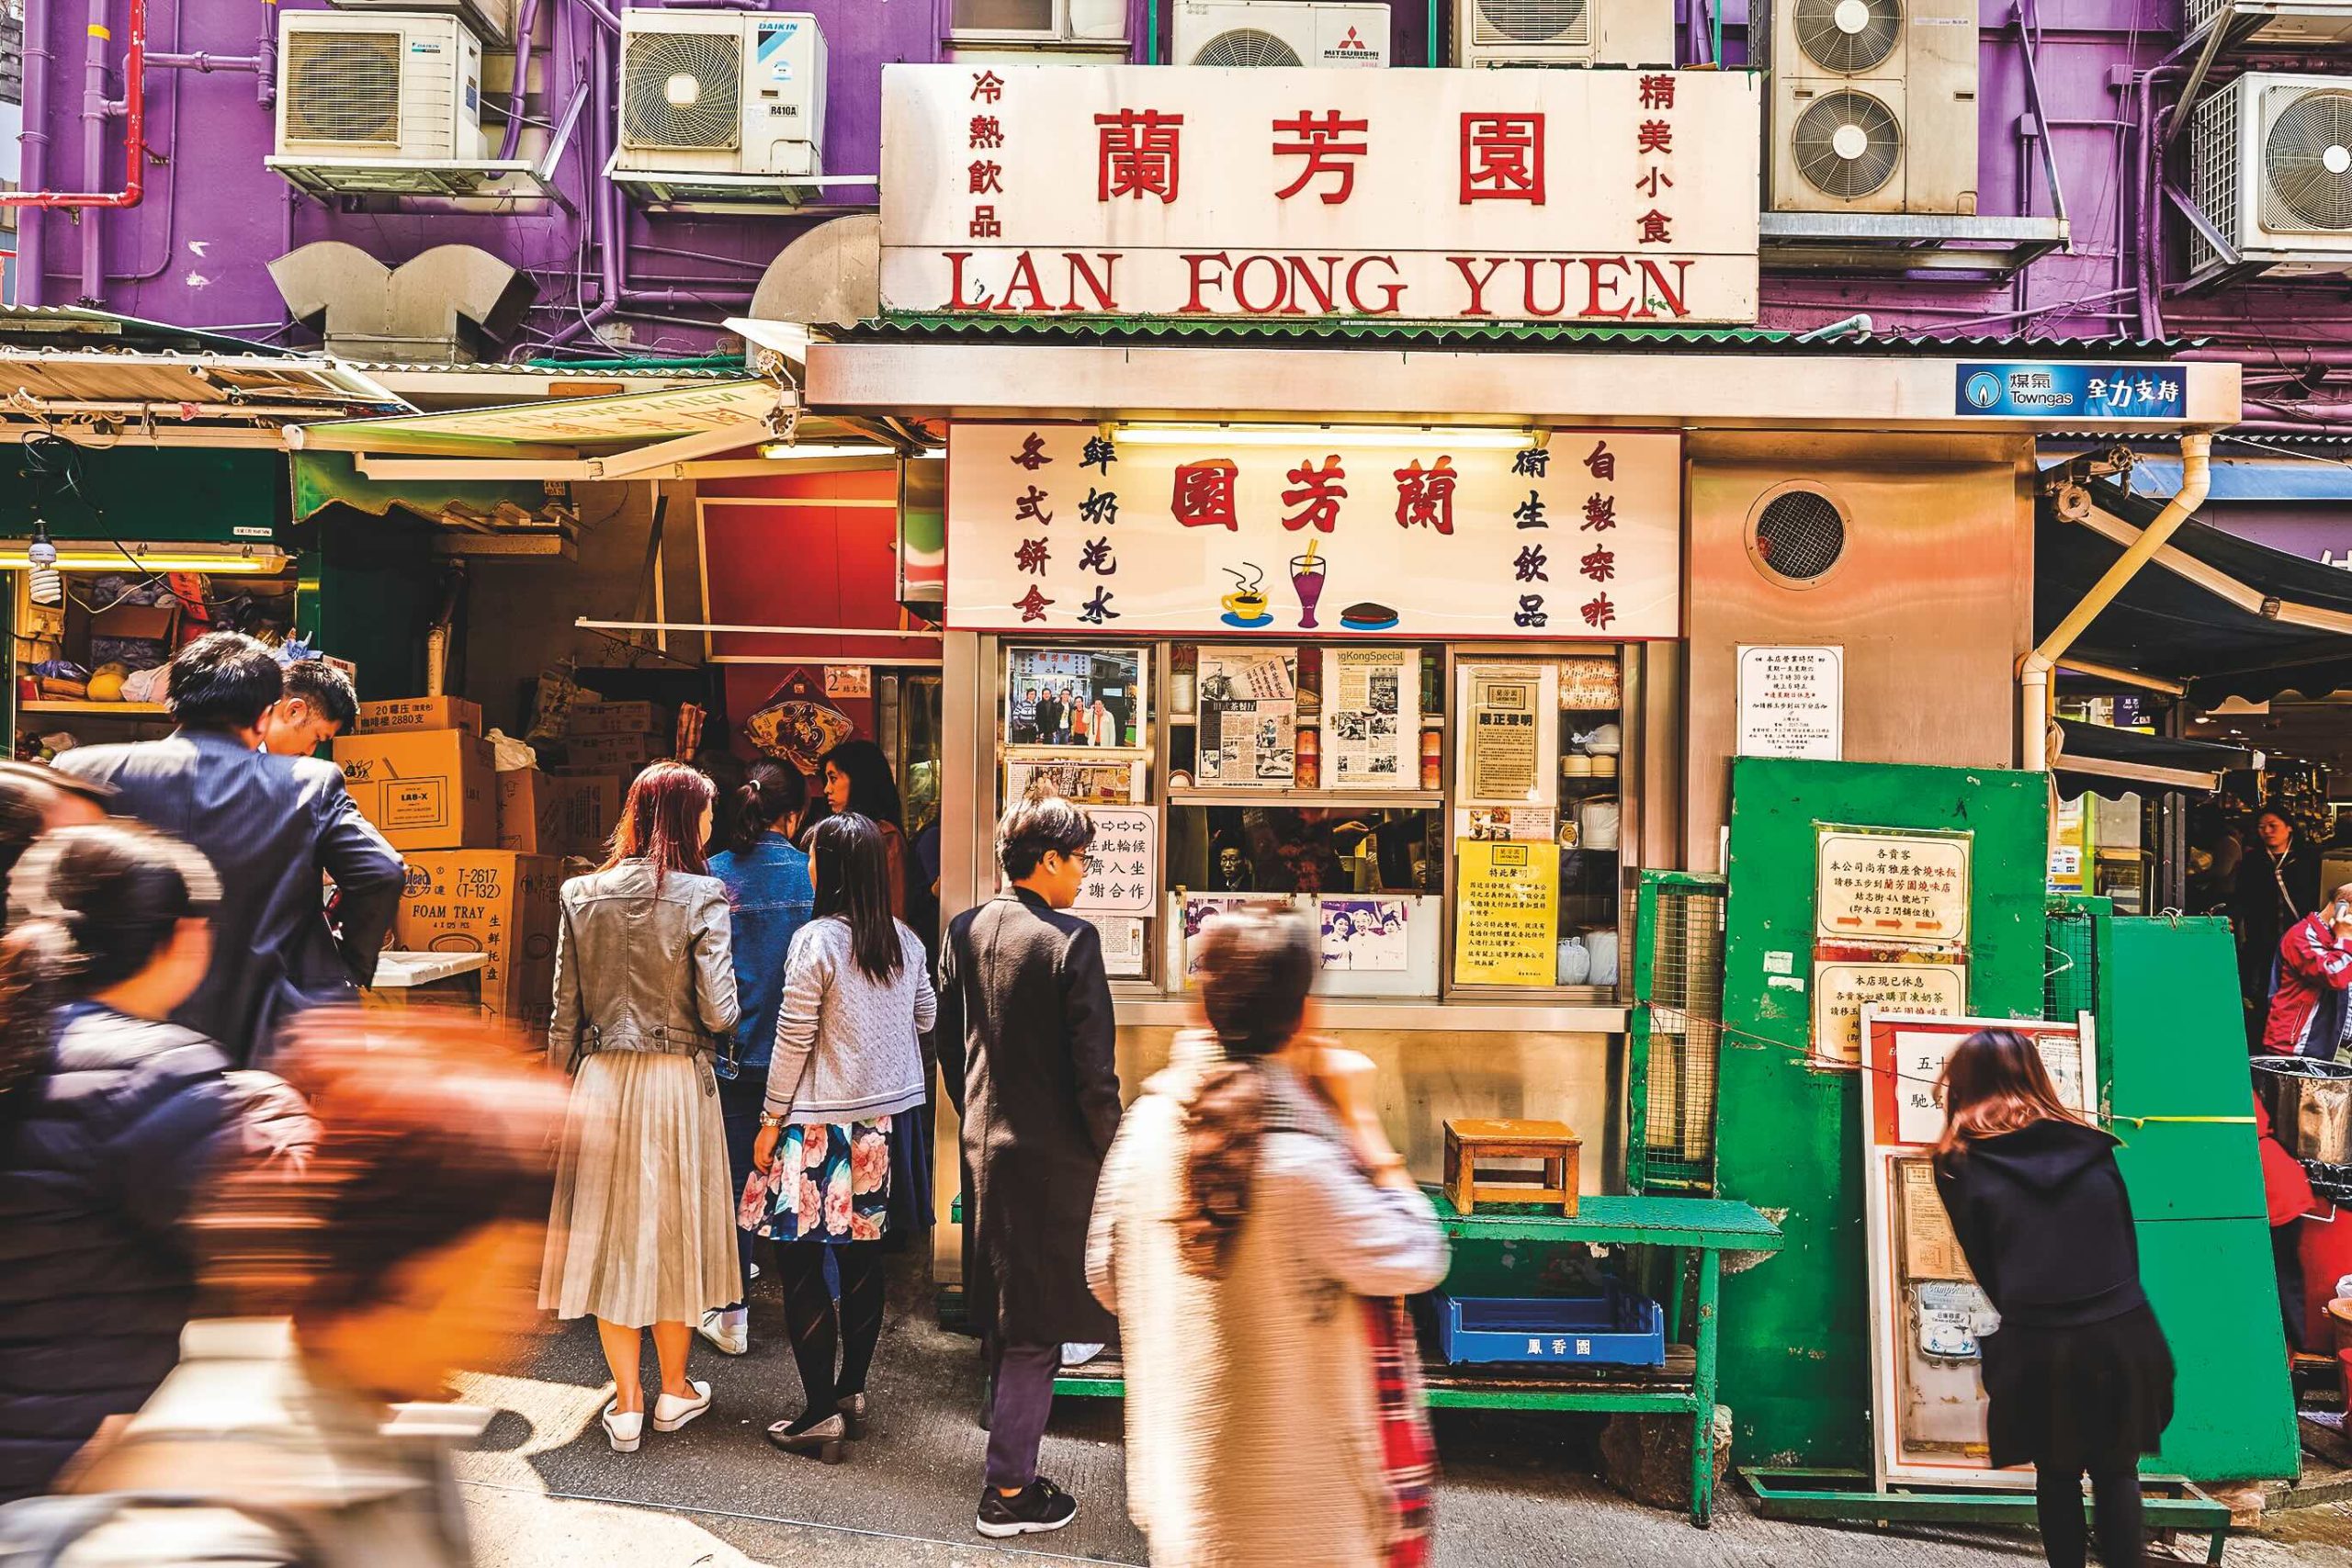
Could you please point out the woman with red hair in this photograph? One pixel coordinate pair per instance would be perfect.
(643, 1233)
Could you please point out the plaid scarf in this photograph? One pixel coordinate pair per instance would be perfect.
(1408, 1454)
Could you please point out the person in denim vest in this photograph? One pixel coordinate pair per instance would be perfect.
(769, 892)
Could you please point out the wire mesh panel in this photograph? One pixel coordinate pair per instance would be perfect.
(1674, 1032)
(2069, 978)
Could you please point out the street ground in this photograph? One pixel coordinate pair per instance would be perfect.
(546, 1491)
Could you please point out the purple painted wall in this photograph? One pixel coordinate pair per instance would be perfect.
(194, 251)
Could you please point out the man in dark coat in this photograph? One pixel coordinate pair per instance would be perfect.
(1049, 718)
(270, 825)
(1026, 1041)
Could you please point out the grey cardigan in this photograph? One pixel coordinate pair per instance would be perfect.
(845, 1044)
(641, 968)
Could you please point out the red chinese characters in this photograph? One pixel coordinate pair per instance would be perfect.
(1502, 158)
(1425, 496)
(1138, 153)
(1322, 142)
(1204, 494)
(1316, 492)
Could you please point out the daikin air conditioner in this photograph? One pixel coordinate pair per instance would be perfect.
(1873, 105)
(2305, 23)
(2271, 159)
(722, 92)
(494, 19)
(1280, 32)
(383, 87)
(1563, 32)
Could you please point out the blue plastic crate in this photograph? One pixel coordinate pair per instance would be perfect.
(1617, 1329)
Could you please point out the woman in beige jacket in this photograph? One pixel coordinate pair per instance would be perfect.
(1249, 1210)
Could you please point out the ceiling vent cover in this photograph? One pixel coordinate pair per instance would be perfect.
(1847, 36)
(343, 87)
(1846, 144)
(1245, 46)
(1797, 537)
(683, 91)
(2307, 159)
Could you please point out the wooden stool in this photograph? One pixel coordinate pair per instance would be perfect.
(1469, 1143)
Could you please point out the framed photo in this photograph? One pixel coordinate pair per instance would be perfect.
(1080, 780)
(1062, 698)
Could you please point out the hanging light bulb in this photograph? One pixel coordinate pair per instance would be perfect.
(47, 586)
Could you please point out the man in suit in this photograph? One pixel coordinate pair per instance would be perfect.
(1026, 1044)
(270, 825)
(318, 703)
(1049, 718)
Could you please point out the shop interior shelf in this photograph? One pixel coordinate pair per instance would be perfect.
(76, 704)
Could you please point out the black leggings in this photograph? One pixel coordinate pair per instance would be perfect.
(820, 1331)
(2115, 1507)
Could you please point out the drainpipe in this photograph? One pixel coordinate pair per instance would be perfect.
(2033, 670)
(30, 250)
(265, 93)
(525, 25)
(96, 111)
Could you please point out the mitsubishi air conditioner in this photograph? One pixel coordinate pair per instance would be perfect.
(1280, 32)
(379, 89)
(2307, 24)
(732, 93)
(1873, 105)
(2271, 159)
(494, 19)
(1563, 32)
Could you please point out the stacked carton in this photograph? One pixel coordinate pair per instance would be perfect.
(604, 736)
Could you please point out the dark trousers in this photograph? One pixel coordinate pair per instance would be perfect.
(739, 1100)
(824, 1332)
(1024, 1399)
(2115, 1509)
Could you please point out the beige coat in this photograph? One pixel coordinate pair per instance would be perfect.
(1252, 1422)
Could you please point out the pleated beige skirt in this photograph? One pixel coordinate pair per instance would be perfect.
(643, 1228)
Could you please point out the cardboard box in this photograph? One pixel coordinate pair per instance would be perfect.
(403, 714)
(430, 789)
(495, 903)
(557, 814)
(136, 622)
(601, 752)
(617, 718)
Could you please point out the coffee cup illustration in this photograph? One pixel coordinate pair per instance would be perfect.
(1246, 605)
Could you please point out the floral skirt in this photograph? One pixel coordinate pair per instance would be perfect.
(830, 1181)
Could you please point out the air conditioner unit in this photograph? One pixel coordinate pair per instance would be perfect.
(1563, 32)
(721, 93)
(494, 19)
(2271, 159)
(1280, 32)
(2301, 24)
(1873, 105)
(382, 87)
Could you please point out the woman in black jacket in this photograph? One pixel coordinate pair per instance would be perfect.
(110, 1119)
(2078, 1377)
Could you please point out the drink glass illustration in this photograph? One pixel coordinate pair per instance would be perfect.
(1307, 579)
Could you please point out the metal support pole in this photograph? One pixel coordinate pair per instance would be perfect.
(1702, 1392)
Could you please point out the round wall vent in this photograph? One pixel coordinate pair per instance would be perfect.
(1797, 536)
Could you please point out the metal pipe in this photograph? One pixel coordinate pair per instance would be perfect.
(266, 91)
(96, 111)
(2033, 670)
(525, 25)
(604, 14)
(203, 62)
(31, 249)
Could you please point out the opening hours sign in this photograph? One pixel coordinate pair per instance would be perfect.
(1588, 196)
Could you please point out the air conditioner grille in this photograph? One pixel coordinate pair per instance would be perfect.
(1846, 144)
(1800, 535)
(1533, 21)
(1847, 36)
(683, 92)
(343, 87)
(2213, 157)
(2307, 163)
(1245, 46)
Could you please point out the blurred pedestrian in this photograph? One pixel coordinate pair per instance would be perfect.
(2277, 884)
(318, 703)
(1255, 1231)
(2309, 1015)
(769, 899)
(110, 1118)
(1027, 1046)
(34, 799)
(857, 777)
(847, 1061)
(2077, 1378)
(268, 826)
(642, 1229)
(345, 1289)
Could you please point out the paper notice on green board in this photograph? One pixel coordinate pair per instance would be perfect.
(1506, 914)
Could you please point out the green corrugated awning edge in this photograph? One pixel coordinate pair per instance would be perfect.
(945, 324)
(323, 479)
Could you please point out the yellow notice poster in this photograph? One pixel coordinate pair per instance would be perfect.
(1507, 919)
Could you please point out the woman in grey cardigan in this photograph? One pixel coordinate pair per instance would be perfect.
(644, 993)
(856, 995)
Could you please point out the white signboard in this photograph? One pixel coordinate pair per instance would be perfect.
(1877, 889)
(1060, 529)
(1792, 702)
(1612, 196)
(1122, 863)
(1841, 990)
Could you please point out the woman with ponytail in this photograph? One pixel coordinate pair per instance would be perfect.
(111, 1118)
(1255, 1231)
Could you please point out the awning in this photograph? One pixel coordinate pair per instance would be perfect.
(2219, 614)
(2117, 762)
(485, 517)
(2249, 479)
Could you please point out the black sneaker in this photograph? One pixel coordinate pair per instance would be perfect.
(1037, 1509)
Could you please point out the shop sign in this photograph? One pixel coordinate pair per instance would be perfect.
(1061, 528)
(1792, 702)
(1506, 921)
(2062, 390)
(1877, 887)
(1122, 863)
(1612, 196)
(849, 679)
(1938, 988)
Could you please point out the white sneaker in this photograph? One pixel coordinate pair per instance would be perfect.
(670, 1413)
(1078, 1355)
(624, 1432)
(727, 1330)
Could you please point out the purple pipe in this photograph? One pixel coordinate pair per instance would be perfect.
(93, 151)
(204, 63)
(32, 223)
(525, 25)
(266, 92)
